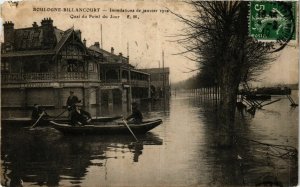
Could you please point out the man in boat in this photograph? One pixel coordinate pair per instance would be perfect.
(37, 112)
(136, 116)
(80, 117)
(72, 100)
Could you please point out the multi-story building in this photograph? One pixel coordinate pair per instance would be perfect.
(160, 82)
(120, 82)
(41, 64)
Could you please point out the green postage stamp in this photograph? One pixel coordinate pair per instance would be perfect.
(273, 20)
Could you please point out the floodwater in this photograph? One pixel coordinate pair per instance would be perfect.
(180, 152)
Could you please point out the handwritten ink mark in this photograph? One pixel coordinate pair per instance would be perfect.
(13, 3)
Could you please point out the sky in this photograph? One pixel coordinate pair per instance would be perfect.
(142, 38)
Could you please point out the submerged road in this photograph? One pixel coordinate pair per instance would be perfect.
(180, 152)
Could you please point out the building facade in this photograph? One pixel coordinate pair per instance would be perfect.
(159, 82)
(121, 84)
(41, 64)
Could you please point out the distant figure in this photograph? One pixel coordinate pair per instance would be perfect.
(72, 100)
(37, 112)
(79, 116)
(136, 116)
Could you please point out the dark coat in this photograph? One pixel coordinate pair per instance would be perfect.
(81, 117)
(72, 100)
(36, 113)
(136, 115)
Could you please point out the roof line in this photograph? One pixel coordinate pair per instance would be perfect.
(63, 39)
(105, 52)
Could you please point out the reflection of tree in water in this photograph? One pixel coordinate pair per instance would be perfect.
(46, 158)
(247, 162)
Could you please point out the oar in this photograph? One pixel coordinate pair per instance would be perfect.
(130, 129)
(37, 120)
(271, 102)
(61, 113)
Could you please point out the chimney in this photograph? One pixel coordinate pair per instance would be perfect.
(8, 32)
(49, 39)
(47, 22)
(84, 42)
(34, 25)
(112, 50)
(97, 45)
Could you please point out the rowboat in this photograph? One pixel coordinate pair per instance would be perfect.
(106, 127)
(258, 97)
(28, 121)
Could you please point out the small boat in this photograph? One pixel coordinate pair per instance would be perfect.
(258, 97)
(107, 127)
(45, 121)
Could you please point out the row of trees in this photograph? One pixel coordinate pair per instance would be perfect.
(216, 37)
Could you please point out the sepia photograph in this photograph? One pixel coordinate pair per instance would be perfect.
(135, 93)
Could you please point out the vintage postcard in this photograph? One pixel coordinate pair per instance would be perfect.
(149, 93)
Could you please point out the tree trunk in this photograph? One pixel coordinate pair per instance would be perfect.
(228, 89)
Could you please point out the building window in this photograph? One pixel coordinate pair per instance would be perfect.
(16, 68)
(44, 67)
(162, 77)
(35, 39)
(125, 75)
(112, 75)
(26, 34)
(74, 65)
(30, 67)
(4, 67)
(91, 67)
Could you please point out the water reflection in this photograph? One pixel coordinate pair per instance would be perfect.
(39, 159)
(251, 162)
(182, 151)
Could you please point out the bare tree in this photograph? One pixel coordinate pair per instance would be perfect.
(217, 36)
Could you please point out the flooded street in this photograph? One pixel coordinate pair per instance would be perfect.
(179, 152)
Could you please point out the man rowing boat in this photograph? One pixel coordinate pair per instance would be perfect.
(37, 112)
(136, 116)
(80, 117)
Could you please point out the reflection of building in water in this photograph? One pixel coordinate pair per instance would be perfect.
(159, 78)
(45, 158)
(41, 64)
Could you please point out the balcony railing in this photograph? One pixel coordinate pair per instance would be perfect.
(6, 77)
(116, 81)
(72, 75)
(16, 77)
(93, 76)
(48, 76)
